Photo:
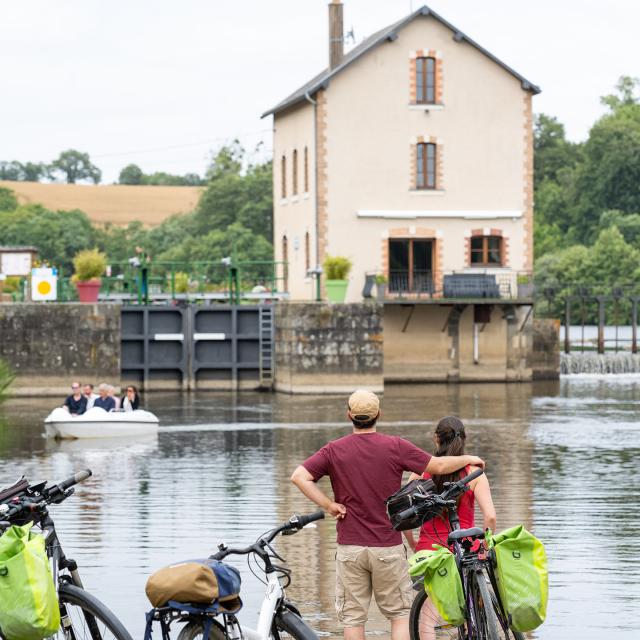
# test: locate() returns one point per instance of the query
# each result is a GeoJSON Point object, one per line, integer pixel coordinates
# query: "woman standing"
{"type": "Point", "coordinates": [131, 400]}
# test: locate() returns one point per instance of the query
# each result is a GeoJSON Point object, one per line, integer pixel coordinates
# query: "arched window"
{"type": "Point", "coordinates": [426, 80]}
{"type": "Point", "coordinates": [285, 263]}
{"type": "Point", "coordinates": [294, 188]}
{"type": "Point", "coordinates": [426, 165]}
{"type": "Point", "coordinates": [283, 176]}
{"type": "Point", "coordinates": [306, 170]}
{"type": "Point", "coordinates": [307, 252]}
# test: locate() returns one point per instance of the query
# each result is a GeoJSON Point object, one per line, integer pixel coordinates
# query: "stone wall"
{"type": "Point", "coordinates": [324, 348]}
{"type": "Point", "coordinates": [49, 345]}
{"type": "Point", "coordinates": [545, 359]}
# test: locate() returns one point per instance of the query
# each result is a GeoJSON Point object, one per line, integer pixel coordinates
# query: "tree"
{"type": "Point", "coordinates": [8, 201]}
{"type": "Point", "coordinates": [552, 151]}
{"type": "Point", "coordinates": [76, 166]}
{"type": "Point", "coordinates": [626, 88]}
{"type": "Point", "coordinates": [131, 174]}
{"type": "Point", "coordinates": [27, 172]}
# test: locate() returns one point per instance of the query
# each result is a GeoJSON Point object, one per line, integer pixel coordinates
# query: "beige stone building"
{"type": "Point", "coordinates": [412, 155]}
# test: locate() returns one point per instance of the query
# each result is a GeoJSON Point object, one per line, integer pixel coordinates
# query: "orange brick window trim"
{"type": "Point", "coordinates": [425, 77]}
{"type": "Point", "coordinates": [425, 164]}
{"type": "Point", "coordinates": [484, 249]}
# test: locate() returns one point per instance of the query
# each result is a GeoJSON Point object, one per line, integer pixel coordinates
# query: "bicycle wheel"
{"type": "Point", "coordinates": [291, 625]}
{"type": "Point", "coordinates": [485, 616]}
{"type": "Point", "coordinates": [193, 631]}
{"type": "Point", "coordinates": [85, 617]}
{"type": "Point", "coordinates": [504, 633]}
{"type": "Point", "coordinates": [426, 624]}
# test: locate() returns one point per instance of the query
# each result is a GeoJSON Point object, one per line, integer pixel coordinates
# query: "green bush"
{"type": "Point", "coordinates": [6, 378]}
{"type": "Point", "coordinates": [381, 279]}
{"type": "Point", "coordinates": [181, 282]}
{"type": "Point", "coordinates": [336, 267]}
{"type": "Point", "coordinates": [89, 265]}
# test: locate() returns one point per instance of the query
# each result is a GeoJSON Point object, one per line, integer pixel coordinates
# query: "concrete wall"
{"type": "Point", "coordinates": [322, 348]}
{"type": "Point", "coordinates": [433, 343]}
{"type": "Point", "coordinates": [545, 359]}
{"type": "Point", "coordinates": [50, 345]}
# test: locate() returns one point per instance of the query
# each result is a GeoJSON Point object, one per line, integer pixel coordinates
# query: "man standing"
{"type": "Point", "coordinates": [366, 467]}
{"type": "Point", "coordinates": [76, 403]}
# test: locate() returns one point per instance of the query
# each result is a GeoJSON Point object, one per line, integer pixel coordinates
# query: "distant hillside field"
{"type": "Point", "coordinates": [118, 204]}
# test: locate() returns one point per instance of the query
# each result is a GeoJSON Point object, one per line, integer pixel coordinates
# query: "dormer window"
{"type": "Point", "coordinates": [426, 80]}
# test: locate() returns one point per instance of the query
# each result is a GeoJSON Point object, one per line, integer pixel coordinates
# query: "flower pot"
{"type": "Point", "coordinates": [336, 290]}
{"type": "Point", "coordinates": [88, 291]}
{"type": "Point", "coordinates": [525, 289]}
{"type": "Point", "coordinates": [381, 291]}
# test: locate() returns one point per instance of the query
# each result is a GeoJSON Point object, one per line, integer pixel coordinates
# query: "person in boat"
{"type": "Point", "coordinates": [131, 400]}
{"type": "Point", "coordinates": [76, 403]}
{"type": "Point", "coordinates": [87, 392]}
{"type": "Point", "coordinates": [105, 401]}
{"type": "Point", "coordinates": [112, 394]}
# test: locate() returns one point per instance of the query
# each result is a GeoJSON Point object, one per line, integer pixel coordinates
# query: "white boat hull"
{"type": "Point", "coordinates": [97, 423]}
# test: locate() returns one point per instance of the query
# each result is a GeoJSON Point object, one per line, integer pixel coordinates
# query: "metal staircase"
{"type": "Point", "coordinates": [266, 346]}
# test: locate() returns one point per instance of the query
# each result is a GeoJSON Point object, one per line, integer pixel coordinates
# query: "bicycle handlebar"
{"type": "Point", "coordinates": [76, 478]}
{"type": "Point", "coordinates": [295, 523]}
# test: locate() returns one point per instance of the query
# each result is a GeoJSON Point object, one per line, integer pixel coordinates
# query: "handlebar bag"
{"type": "Point", "coordinates": [403, 499]}
{"type": "Point", "coordinates": [441, 581]}
{"type": "Point", "coordinates": [208, 581]}
{"type": "Point", "coordinates": [29, 607]}
{"type": "Point", "coordinates": [522, 577]}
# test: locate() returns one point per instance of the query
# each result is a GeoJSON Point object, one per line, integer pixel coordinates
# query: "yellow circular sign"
{"type": "Point", "coordinates": [44, 287]}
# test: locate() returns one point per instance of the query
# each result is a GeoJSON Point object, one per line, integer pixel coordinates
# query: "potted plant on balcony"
{"type": "Point", "coordinates": [525, 285]}
{"type": "Point", "coordinates": [336, 269]}
{"type": "Point", "coordinates": [381, 286]}
{"type": "Point", "coordinates": [89, 265]}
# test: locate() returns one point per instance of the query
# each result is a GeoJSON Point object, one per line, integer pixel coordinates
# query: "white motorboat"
{"type": "Point", "coordinates": [98, 423]}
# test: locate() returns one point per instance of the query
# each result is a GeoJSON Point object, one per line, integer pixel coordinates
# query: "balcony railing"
{"type": "Point", "coordinates": [472, 284]}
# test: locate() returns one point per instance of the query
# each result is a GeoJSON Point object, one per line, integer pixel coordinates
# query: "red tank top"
{"type": "Point", "coordinates": [436, 530]}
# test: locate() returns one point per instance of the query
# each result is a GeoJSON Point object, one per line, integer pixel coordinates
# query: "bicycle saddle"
{"type": "Point", "coordinates": [474, 532]}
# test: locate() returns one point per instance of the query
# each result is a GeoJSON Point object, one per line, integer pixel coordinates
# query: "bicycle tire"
{"type": "Point", "coordinates": [94, 614]}
{"type": "Point", "coordinates": [441, 630]}
{"type": "Point", "coordinates": [294, 626]}
{"type": "Point", "coordinates": [487, 620]}
{"type": "Point", "coordinates": [193, 630]}
{"type": "Point", "coordinates": [286, 622]}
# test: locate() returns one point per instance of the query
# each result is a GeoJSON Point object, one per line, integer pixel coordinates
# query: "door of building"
{"type": "Point", "coordinates": [410, 266]}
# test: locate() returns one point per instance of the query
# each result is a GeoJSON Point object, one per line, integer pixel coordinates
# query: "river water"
{"type": "Point", "coordinates": [562, 458]}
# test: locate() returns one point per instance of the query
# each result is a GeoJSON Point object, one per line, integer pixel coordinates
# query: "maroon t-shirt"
{"type": "Point", "coordinates": [365, 469]}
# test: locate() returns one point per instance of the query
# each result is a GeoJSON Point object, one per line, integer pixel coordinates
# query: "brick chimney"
{"type": "Point", "coordinates": [336, 34]}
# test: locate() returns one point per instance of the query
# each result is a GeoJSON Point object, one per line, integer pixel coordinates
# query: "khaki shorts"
{"type": "Point", "coordinates": [362, 571]}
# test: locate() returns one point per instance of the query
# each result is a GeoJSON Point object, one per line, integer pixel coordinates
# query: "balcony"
{"type": "Point", "coordinates": [483, 285]}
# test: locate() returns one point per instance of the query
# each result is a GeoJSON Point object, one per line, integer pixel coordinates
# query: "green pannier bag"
{"type": "Point", "coordinates": [28, 601]}
{"type": "Point", "coordinates": [441, 581]}
{"type": "Point", "coordinates": [521, 577]}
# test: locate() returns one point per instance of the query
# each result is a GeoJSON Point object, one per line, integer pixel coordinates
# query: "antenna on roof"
{"type": "Point", "coordinates": [350, 36]}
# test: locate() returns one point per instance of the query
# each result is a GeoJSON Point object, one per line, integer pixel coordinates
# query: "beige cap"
{"type": "Point", "coordinates": [364, 405]}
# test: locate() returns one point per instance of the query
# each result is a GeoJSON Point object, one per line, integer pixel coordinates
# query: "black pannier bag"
{"type": "Point", "coordinates": [403, 499]}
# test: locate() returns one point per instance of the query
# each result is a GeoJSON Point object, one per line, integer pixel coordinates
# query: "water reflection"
{"type": "Point", "coordinates": [561, 459]}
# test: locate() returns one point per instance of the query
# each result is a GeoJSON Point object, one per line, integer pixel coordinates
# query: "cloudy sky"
{"type": "Point", "coordinates": [161, 83]}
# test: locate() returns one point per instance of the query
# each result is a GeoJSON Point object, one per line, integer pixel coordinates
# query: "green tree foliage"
{"type": "Point", "coordinates": [75, 166]}
{"type": "Point", "coordinates": [23, 172]}
{"type": "Point", "coordinates": [131, 174]}
{"type": "Point", "coordinates": [58, 235]}
{"type": "Point", "coordinates": [8, 200]}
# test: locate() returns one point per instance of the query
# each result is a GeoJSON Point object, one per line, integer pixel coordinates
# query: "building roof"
{"type": "Point", "coordinates": [390, 33]}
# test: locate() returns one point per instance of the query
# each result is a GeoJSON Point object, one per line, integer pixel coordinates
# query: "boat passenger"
{"type": "Point", "coordinates": [76, 403]}
{"type": "Point", "coordinates": [131, 400]}
{"type": "Point", "coordinates": [112, 394]}
{"type": "Point", "coordinates": [87, 392]}
{"type": "Point", "coordinates": [105, 401]}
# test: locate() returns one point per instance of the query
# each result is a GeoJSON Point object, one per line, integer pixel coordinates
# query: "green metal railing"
{"type": "Point", "coordinates": [232, 281]}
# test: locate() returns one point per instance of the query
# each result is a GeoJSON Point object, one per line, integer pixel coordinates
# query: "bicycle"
{"type": "Point", "coordinates": [278, 619]}
{"type": "Point", "coordinates": [82, 615]}
{"type": "Point", "coordinates": [485, 618]}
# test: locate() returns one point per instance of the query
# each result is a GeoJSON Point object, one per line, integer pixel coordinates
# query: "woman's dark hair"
{"type": "Point", "coordinates": [451, 440]}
